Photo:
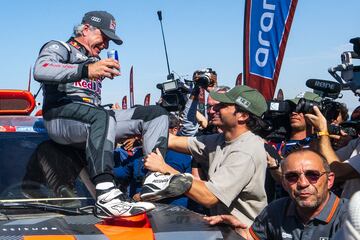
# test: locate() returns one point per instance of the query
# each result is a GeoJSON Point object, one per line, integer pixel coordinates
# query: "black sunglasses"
{"type": "Point", "coordinates": [311, 175]}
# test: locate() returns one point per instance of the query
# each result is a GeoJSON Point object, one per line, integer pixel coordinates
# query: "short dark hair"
{"type": "Point", "coordinates": [344, 111]}
{"type": "Point", "coordinates": [325, 163]}
{"type": "Point", "coordinates": [252, 123]}
{"type": "Point", "coordinates": [173, 121]}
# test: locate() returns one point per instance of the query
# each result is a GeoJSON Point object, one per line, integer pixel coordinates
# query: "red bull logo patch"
{"type": "Point", "coordinates": [94, 86]}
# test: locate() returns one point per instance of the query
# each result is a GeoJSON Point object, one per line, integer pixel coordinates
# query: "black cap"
{"type": "Point", "coordinates": [105, 22]}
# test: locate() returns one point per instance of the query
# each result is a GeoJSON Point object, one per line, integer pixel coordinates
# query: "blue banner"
{"type": "Point", "coordinates": [267, 26]}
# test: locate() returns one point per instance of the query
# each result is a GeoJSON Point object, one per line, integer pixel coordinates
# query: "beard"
{"type": "Point", "coordinates": [307, 204]}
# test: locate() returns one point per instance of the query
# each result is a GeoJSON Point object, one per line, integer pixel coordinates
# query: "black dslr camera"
{"type": "Point", "coordinates": [203, 78]}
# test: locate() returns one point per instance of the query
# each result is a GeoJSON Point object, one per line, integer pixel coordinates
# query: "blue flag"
{"type": "Point", "coordinates": [266, 30]}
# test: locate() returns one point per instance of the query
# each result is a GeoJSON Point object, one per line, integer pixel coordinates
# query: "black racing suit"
{"type": "Point", "coordinates": [73, 115]}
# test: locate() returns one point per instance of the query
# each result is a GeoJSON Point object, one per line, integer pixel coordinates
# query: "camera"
{"type": "Point", "coordinates": [173, 94]}
{"type": "Point", "coordinates": [336, 130]}
{"type": "Point", "coordinates": [276, 124]}
{"type": "Point", "coordinates": [203, 78]}
{"type": "Point", "coordinates": [328, 91]}
{"type": "Point", "coordinates": [350, 74]}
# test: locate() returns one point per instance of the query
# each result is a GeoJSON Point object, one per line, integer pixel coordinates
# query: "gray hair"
{"type": "Point", "coordinates": [79, 28]}
{"type": "Point", "coordinates": [303, 150]}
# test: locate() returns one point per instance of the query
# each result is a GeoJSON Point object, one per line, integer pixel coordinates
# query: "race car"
{"type": "Point", "coordinates": [45, 192]}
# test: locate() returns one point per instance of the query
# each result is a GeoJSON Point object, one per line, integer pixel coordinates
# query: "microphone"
{"type": "Point", "coordinates": [323, 85]}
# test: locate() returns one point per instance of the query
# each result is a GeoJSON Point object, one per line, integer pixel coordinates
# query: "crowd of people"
{"type": "Point", "coordinates": [223, 166]}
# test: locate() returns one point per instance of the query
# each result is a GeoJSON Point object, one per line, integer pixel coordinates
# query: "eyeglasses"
{"type": "Point", "coordinates": [311, 175]}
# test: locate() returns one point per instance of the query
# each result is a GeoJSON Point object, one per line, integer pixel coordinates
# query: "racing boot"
{"type": "Point", "coordinates": [111, 202]}
{"type": "Point", "coordinates": [158, 186]}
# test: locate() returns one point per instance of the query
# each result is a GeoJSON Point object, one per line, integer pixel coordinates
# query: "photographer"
{"type": "Point", "coordinates": [299, 137]}
{"type": "Point", "coordinates": [206, 79]}
{"type": "Point", "coordinates": [345, 162]}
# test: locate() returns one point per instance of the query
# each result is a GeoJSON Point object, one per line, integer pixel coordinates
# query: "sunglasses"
{"type": "Point", "coordinates": [311, 175]}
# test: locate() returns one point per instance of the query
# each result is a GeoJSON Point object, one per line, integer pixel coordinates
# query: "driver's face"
{"type": "Point", "coordinates": [95, 41]}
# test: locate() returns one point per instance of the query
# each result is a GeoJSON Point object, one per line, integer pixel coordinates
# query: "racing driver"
{"type": "Point", "coordinates": [71, 74]}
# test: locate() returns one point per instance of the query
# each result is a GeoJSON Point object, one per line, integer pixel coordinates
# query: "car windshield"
{"type": "Point", "coordinates": [33, 168]}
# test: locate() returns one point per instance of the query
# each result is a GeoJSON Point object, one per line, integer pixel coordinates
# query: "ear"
{"type": "Point", "coordinates": [331, 178]}
{"type": "Point", "coordinates": [85, 29]}
{"type": "Point", "coordinates": [242, 116]}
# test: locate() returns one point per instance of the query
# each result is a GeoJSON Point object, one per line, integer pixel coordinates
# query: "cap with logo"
{"type": "Point", "coordinates": [307, 95]}
{"type": "Point", "coordinates": [247, 98]}
{"type": "Point", "coordinates": [105, 22]}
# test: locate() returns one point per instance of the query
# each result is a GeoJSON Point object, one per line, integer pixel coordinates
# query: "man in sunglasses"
{"type": "Point", "coordinates": [310, 212]}
{"type": "Point", "coordinates": [234, 160]}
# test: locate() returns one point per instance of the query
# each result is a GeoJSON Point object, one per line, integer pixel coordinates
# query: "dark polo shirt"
{"type": "Point", "coordinates": [279, 220]}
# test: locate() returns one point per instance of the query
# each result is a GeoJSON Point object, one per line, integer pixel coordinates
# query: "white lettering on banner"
{"type": "Point", "coordinates": [262, 54]}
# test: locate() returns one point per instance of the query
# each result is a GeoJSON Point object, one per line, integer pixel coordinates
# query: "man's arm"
{"type": "Point", "coordinates": [178, 144]}
{"type": "Point", "coordinates": [201, 194]}
{"type": "Point", "coordinates": [52, 66]}
{"type": "Point", "coordinates": [342, 170]}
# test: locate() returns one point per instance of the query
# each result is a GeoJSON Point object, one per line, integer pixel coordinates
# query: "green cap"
{"type": "Point", "coordinates": [307, 95]}
{"type": "Point", "coordinates": [246, 97]}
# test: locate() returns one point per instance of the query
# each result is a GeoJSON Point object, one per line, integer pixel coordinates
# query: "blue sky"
{"type": "Point", "coordinates": [202, 33]}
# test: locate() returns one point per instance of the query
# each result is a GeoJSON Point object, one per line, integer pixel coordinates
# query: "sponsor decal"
{"type": "Point", "coordinates": [160, 180]}
{"type": "Point", "coordinates": [300, 95]}
{"type": "Point", "coordinates": [95, 19]}
{"type": "Point", "coordinates": [54, 46]}
{"type": "Point", "coordinates": [80, 56]}
{"type": "Point", "coordinates": [94, 86]}
{"type": "Point", "coordinates": [7, 129]}
{"type": "Point", "coordinates": [58, 65]}
{"type": "Point", "coordinates": [74, 44]}
{"type": "Point", "coordinates": [285, 235]}
{"type": "Point", "coordinates": [243, 102]}
{"type": "Point", "coordinates": [112, 25]}
{"type": "Point", "coordinates": [27, 229]}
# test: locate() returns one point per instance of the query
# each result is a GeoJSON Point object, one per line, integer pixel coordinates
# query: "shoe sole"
{"type": "Point", "coordinates": [103, 214]}
{"type": "Point", "coordinates": [177, 186]}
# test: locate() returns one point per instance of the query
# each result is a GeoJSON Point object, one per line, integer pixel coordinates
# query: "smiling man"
{"type": "Point", "coordinates": [236, 159]}
{"type": "Point", "coordinates": [72, 75]}
{"type": "Point", "coordinates": [311, 211]}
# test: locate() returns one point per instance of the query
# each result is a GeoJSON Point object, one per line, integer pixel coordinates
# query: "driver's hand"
{"type": "Point", "coordinates": [104, 68]}
{"type": "Point", "coordinates": [116, 106]}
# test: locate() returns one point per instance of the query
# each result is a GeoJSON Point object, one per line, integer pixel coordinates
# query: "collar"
{"type": "Point", "coordinates": [242, 137]}
{"type": "Point", "coordinates": [326, 213]}
{"type": "Point", "coordinates": [72, 41]}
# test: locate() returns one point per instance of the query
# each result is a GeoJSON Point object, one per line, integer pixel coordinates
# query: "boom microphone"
{"type": "Point", "coordinates": [324, 85]}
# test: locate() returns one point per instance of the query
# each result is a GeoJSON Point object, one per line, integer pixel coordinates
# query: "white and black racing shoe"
{"type": "Point", "coordinates": [158, 186]}
{"type": "Point", "coordinates": [112, 203]}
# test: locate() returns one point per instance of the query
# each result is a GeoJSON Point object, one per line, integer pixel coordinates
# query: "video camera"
{"type": "Point", "coordinates": [174, 93]}
{"type": "Point", "coordinates": [350, 74]}
{"type": "Point", "coordinates": [328, 92]}
{"type": "Point", "coordinates": [277, 116]}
